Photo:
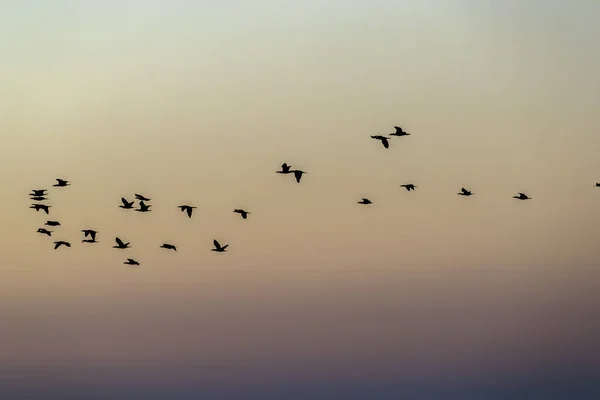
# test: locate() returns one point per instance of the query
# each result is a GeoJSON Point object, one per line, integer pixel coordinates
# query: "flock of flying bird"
{"type": "Point", "coordinates": [39, 195]}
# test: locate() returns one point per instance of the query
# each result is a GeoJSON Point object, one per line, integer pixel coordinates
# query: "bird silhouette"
{"type": "Point", "coordinates": [52, 223]}
{"type": "Point", "coordinates": [409, 186]}
{"type": "Point", "coordinates": [243, 213]}
{"type": "Point", "coordinates": [298, 174]}
{"type": "Point", "coordinates": [38, 198]}
{"type": "Point", "coordinates": [218, 248]}
{"type": "Point", "coordinates": [61, 243]}
{"type": "Point", "coordinates": [89, 241]}
{"type": "Point", "coordinates": [285, 169]}
{"type": "Point", "coordinates": [143, 207]}
{"type": "Point", "coordinates": [168, 246]}
{"type": "Point", "coordinates": [522, 196]}
{"type": "Point", "coordinates": [597, 184]}
{"type": "Point", "coordinates": [131, 261]}
{"type": "Point", "coordinates": [465, 192]}
{"type": "Point", "coordinates": [365, 201]}
{"type": "Point", "coordinates": [399, 132]}
{"type": "Point", "coordinates": [383, 139]}
{"type": "Point", "coordinates": [89, 232]}
{"type": "Point", "coordinates": [39, 207]}
{"type": "Point", "coordinates": [126, 204]}
{"type": "Point", "coordinates": [38, 192]}
{"type": "Point", "coordinates": [187, 209]}
{"type": "Point", "coordinates": [61, 183]}
{"type": "Point", "coordinates": [45, 231]}
{"type": "Point", "coordinates": [142, 198]}
{"type": "Point", "coordinates": [120, 244]}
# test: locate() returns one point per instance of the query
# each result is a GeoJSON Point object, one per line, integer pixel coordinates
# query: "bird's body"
{"type": "Point", "coordinates": [38, 192]}
{"type": "Point", "coordinates": [298, 174]}
{"type": "Point", "coordinates": [141, 198]}
{"type": "Point", "coordinates": [89, 241]}
{"type": "Point", "coordinates": [522, 196]}
{"type": "Point", "coordinates": [121, 244]}
{"type": "Point", "coordinates": [143, 207]}
{"type": "Point", "coordinates": [597, 184]}
{"type": "Point", "coordinates": [243, 213]}
{"type": "Point", "coordinates": [168, 246]}
{"type": "Point", "coordinates": [409, 186]}
{"type": "Point", "coordinates": [39, 207]}
{"type": "Point", "coordinates": [187, 209]}
{"type": "Point", "coordinates": [465, 192]}
{"type": "Point", "coordinates": [384, 140]}
{"type": "Point", "coordinates": [38, 198]}
{"type": "Point", "coordinates": [131, 261]}
{"type": "Point", "coordinates": [45, 231]}
{"type": "Point", "coordinates": [52, 223]}
{"type": "Point", "coordinates": [61, 183]}
{"type": "Point", "coordinates": [365, 201]}
{"type": "Point", "coordinates": [399, 132]}
{"type": "Point", "coordinates": [61, 243]}
{"type": "Point", "coordinates": [285, 169]}
{"type": "Point", "coordinates": [218, 248]}
{"type": "Point", "coordinates": [126, 204]}
{"type": "Point", "coordinates": [89, 232]}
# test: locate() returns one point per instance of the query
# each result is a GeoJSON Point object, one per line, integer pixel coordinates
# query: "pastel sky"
{"type": "Point", "coordinates": [423, 294]}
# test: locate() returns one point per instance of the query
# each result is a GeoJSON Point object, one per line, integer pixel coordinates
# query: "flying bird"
{"type": "Point", "coordinates": [285, 169]}
{"type": "Point", "coordinates": [365, 201]}
{"type": "Point", "coordinates": [143, 207]}
{"type": "Point", "coordinates": [89, 232]}
{"type": "Point", "coordinates": [399, 132]}
{"type": "Point", "coordinates": [218, 248]}
{"type": "Point", "coordinates": [39, 207]}
{"type": "Point", "coordinates": [52, 223]}
{"type": "Point", "coordinates": [38, 192]}
{"type": "Point", "coordinates": [60, 243]}
{"type": "Point", "coordinates": [168, 246]}
{"type": "Point", "coordinates": [383, 139]}
{"type": "Point", "coordinates": [38, 198]}
{"type": "Point", "coordinates": [409, 186]}
{"type": "Point", "coordinates": [243, 213]}
{"type": "Point", "coordinates": [126, 204]}
{"type": "Point", "coordinates": [89, 241]}
{"type": "Point", "coordinates": [131, 261]}
{"type": "Point", "coordinates": [61, 183]}
{"type": "Point", "coordinates": [522, 196]}
{"type": "Point", "coordinates": [597, 184]}
{"type": "Point", "coordinates": [120, 244]}
{"type": "Point", "coordinates": [187, 209]}
{"type": "Point", "coordinates": [298, 175]}
{"type": "Point", "coordinates": [45, 231]}
{"type": "Point", "coordinates": [465, 192]}
{"type": "Point", "coordinates": [142, 198]}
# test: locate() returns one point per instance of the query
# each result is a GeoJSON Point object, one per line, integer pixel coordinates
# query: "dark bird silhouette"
{"type": "Point", "coordinates": [465, 192]}
{"type": "Point", "coordinates": [89, 241]}
{"type": "Point", "coordinates": [218, 248]}
{"type": "Point", "coordinates": [168, 246]}
{"type": "Point", "coordinates": [52, 223]}
{"type": "Point", "coordinates": [61, 183]}
{"type": "Point", "coordinates": [383, 139]}
{"type": "Point", "coordinates": [126, 204]}
{"type": "Point", "coordinates": [597, 184]}
{"type": "Point", "coordinates": [399, 132]}
{"type": "Point", "coordinates": [38, 192]}
{"type": "Point", "coordinates": [120, 244]}
{"type": "Point", "coordinates": [365, 201]}
{"type": "Point", "coordinates": [131, 261]}
{"type": "Point", "coordinates": [409, 186]}
{"type": "Point", "coordinates": [61, 243]}
{"type": "Point", "coordinates": [187, 209]}
{"type": "Point", "coordinates": [285, 169]}
{"type": "Point", "coordinates": [38, 198]}
{"type": "Point", "coordinates": [39, 207]}
{"type": "Point", "coordinates": [142, 198]}
{"type": "Point", "coordinates": [143, 207]}
{"type": "Point", "coordinates": [45, 231]}
{"type": "Point", "coordinates": [298, 174]}
{"type": "Point", "coordinates": [243, 213]}
{"type": "Point", "coordinates": [89, 232]}
{"type": "Point", "coordinates": [522, 196]}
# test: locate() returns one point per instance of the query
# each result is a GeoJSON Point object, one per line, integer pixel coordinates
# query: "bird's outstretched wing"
{"type": "Point", "coordinates": [385, 142]}
{"type": "Point", "coordinates": [224, 247]}
{"type": "Point", "coordinates": [217, 245]}
{"type": "Point", "coordinates": [119, 241]}
{"type": "Point", "coordinates": [124, 201]}
{"type": "Point", "coordinates": [56, 245]}
{"type": "Point", "coordinates": [189, 211]}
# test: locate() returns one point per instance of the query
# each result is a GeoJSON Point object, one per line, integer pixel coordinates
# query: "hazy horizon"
{"type": "Point", "coordinates": [423, 294]}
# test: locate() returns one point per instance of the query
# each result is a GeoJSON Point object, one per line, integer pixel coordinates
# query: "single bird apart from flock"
{"type": "Point", "coordinates": [465, 192]}
{"type": "Point", "coordinates": [143, 207]}
{"type": "Point", "coordinates": [285, 169]}
{"type": "Point", "coordinates": [61, 183]}
{"type": "Point", "coordinates": [168, 246]}
{"type": "Point", "coordinates": [39, 207]}
{"type": "Point", "coordinates": [399, 132]}
{"type": "Point", "coordinates": [89, 232]}
{"type": "Point", "coordinates": [61, 243]}
{"type": "Point", "coordinates": [409, 186]}
{"type": "Point", "coordinates": [298, 174]}
{"type": "Point", "coordinates": [52, 223]}
{"type": "Point", "coordinates": [142, 198]}
{"type": "Point", "coordinates": [120, 244]}
{"type": "Point", "coordinates": [218, 248]}
{"type": "Point", "coordinates": [45, 231]}
{"type": "Point", "coordinates": [187, 209]}
{"type": "Point", "coordinates": [131, 261]}
{"type": "Point", "coordinates": [384, 140]}
{"type": "Point", "coordinates": [522, 196]}
{"type": "Point", "coordinates": [243, 213]}
{"type": "Point", "coordinates": [365, 201]}
{"type": "Point", "coordinates": [38, 192]}
{"type": "Point", "coordinates": [126, 204]}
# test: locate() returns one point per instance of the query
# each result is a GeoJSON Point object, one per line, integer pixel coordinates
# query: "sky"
{"type": "Point", "coordinates": [423, 294]}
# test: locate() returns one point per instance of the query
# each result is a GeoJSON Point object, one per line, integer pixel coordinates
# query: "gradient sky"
{"type": "Point", "coordinates": [424, 294]}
